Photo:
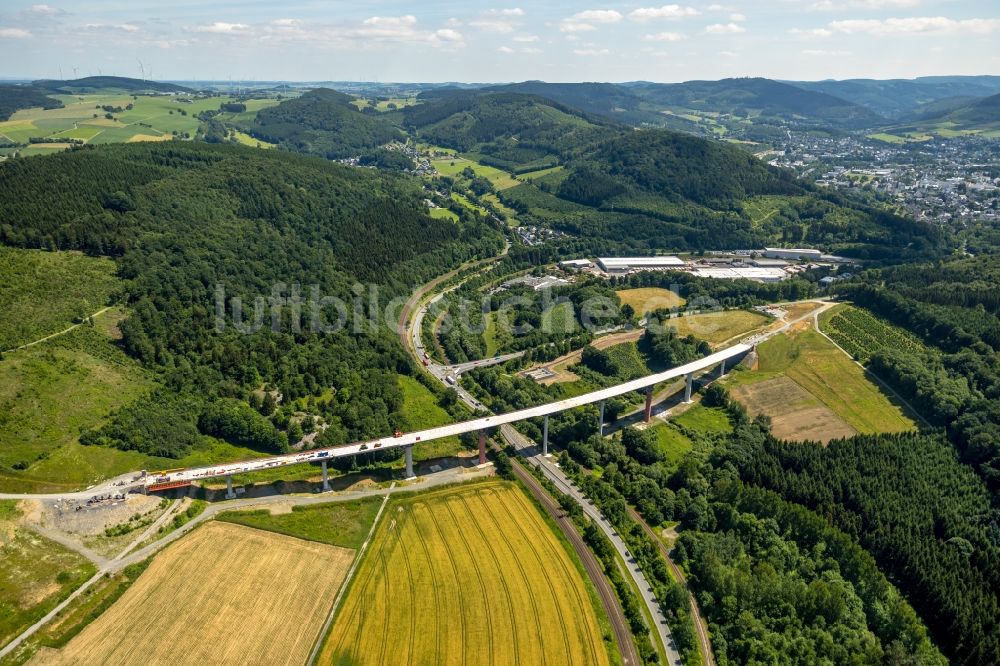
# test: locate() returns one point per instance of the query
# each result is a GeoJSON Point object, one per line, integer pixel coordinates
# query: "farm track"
{"type": "Point", "coordinates": [612, 608]}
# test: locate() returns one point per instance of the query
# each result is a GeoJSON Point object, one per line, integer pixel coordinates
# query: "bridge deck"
{"type": "Point", "coordinates": [452, 429]}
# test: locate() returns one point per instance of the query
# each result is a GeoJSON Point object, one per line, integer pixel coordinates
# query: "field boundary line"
{"type": "Point", "coordinates": [347, 579]}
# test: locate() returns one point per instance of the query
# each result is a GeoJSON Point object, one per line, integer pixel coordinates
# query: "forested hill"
{"type": "Point", "coordinates": [182, 218]}
{"type": "Point", "coordinates": [512, 131]}
{"type": "Point", "coordinates": [604, 99]}
{"type": "Point", "coordinates": [759, 98]}
{"type": "Point", "coordinates": [896, 98]}
{"type": "Point", "coordinates": [15, 97]}
{"type": "Point", "coordinates": [323, 122]}
{"type": "Point", "coordinates": [92, 83]}
{"type": "Point", "coordinates": [625, 189]}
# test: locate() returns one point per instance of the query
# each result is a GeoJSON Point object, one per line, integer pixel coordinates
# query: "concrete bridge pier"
{"type": "Point", "coordinates": [229, 487]}
{"type": "Point", "coordinates": [545, 436]}
{"type": "Point", "coordinates": [408, 451]}
{"type": "Point", "coordinates": [600, 425]}
{"type": "Point", "coordinates": [648, 413]}
{"type": "Point", "coordinates": [326, 478]}
{"type": "Point", "coordinates": [722, 369]}
{"type": "Point", "coordinates": [482, 447]}
{"type": "Point", "coordinates": [687, 387]}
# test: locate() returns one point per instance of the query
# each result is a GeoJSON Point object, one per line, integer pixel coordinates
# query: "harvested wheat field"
{"type": "Point", "coordinates": [468, 575]}
{"type": "Point", "coordinates": [225, 594]}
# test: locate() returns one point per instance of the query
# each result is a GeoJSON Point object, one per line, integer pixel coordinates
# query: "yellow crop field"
{"type": "Point", "coordinates": [223, 594]}
{"type": "Point", "coordinates": [469, 575]}
{"type": "Point", "coordinates": [647, 299]}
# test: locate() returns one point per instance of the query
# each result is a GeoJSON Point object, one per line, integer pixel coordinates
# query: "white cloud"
{"type": "Point", "coordinates": [505, 49]}
{"type": "Point", "coordinates": [664, 37]}
{"type": "Point", "coordinates": [822, 52]}
{"type": "Point", "coordinates": [14, 33]}
{"type": "Point", "coordinates": [286, 22]}
{"type": "Point", "coordinates": [222, 28]}
{"type": "Point", "coordinates": [124, 27]}
{"type": "Point", "coordinates": [497, 20]}
{"type": "Point", "coordinates": [526, 39]}
{"type": "Point", "coordinates": [840, 5]}
{"type": "Point", "coordinates": [725, 29]}
{"type": "Point", "coordinates": [644, 14]}
{"type": "Point", "coordinates": [737, 17]}
{"type": "Point", "coordinates": [927, 25]}
{"type": "Point", "coordinates": [597, 16]}
{"type": "Point", "coordinates": [584, 21]}
{"type": "Point", "coordinates": [591, 52]}
{"type": "Point", "coordinates": [811, 32]}
{"type": "Point", "coordinates": [447, 37]}
{"type": "Point", "coordinates": [729, 54]}
{"type": "Point", "coordinates": [45, 10]}
{"type": "Point", "coordinates": [531, 50]}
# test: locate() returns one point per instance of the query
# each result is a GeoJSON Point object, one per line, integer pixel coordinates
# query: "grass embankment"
{"type": "Point", "coordinates": [343, 524]}
{"type": "Point", "coordinates": [466, 575]}
{"type": "Point", "coordinates": [35, 573]}
{"type": "Point", "coordinates": [83, 610]}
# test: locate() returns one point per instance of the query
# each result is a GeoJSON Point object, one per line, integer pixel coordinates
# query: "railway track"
{"type": "Point", "coordinates": [701, 629]}
{"type": "Point", "coordinates": [619, 625]}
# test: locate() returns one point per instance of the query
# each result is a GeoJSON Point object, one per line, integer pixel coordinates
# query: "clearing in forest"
{"type": "Point", "coordinates": [223, 594]}
{"type": "Point", "coordinates": [468, 575]}
{"type": "Point", "coordinates": [821, 393]}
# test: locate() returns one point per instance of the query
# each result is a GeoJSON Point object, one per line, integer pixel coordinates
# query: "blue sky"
{"type": "Point", "coordinates": [390, 40]}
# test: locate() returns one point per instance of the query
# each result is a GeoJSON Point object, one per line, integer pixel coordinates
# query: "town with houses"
{"type": "Point", "coordinates": [948, 181]}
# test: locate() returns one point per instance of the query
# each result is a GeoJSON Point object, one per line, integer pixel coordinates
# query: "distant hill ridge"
{"type": "Point", "coordinates": [102, 82]}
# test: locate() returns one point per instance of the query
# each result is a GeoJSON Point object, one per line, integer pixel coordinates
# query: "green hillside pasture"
{"type": "Point", "coordinates": [421, 411]}
{"type": "Point", "coordinates": [541, 173]}
{"type": "Point", "coordinates": [43, 292]}
{"type": "Point", "coordinates": [151, 116]}
{"type": "Point", "coordinates": [53, 391]}
{"type": "Point", "coordinates": [815, 364]}
{"type": "Point", "coordinates": [452, 167]}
